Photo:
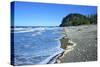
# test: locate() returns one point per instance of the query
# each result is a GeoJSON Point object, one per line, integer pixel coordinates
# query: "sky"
{"type": "Point", "coordinates": [45, 14]}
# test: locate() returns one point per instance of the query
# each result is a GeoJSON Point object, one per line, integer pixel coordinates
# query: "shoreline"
{"type": "Point", "coordinates": [66, 44]}
{"type": "Point", "coordinates": [86, 39]}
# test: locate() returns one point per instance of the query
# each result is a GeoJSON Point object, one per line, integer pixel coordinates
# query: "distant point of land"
{"type": "Point", "coordinates": [78, 19]}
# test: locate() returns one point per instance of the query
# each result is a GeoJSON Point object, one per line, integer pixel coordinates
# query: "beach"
{"type": "Point", "coordinates": [82, 44]}
{"type": "Point", "coordinates": [59, 44]}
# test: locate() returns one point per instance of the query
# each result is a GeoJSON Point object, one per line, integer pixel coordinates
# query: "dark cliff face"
{"type": "Point", "coordinates": [74, 20]}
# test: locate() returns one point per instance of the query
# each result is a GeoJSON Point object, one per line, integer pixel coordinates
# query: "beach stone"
{"type": "Point", "coordinates": [64, 42]}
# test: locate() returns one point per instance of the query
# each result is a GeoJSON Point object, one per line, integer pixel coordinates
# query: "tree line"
{"type": "Point", "coordinates": [78, 19]}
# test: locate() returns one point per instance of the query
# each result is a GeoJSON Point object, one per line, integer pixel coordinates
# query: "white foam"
{"type": "Point", "coordinates": [37, 33]}
{"type": "Point", "coordinates": [49, 58]}
{"type": "Point", "coordinates": [18, 29]}
{"type": "Point", "coordinates": [52, 28]}
{"type": "Point", "coordinates": [23, 30]}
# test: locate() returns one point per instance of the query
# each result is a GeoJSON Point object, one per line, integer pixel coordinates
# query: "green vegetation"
{"type": "Point", "coordinates": [93, 18]}
{"type": "Point", "coordinates": [78, 19]}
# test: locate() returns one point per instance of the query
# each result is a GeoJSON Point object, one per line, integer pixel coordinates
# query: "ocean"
{"type": "Point", "coordinates": [35, 45]}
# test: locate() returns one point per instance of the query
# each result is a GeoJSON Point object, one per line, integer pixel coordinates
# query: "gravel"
{"type": "Point", "coordinates": [85, 37]}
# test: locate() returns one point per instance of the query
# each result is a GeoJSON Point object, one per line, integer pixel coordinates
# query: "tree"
{"type": "Point", "coordinates": [74, 20]}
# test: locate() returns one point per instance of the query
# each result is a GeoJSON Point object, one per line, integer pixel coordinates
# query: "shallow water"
{"type": "Point", "coordinates": [36, 45]}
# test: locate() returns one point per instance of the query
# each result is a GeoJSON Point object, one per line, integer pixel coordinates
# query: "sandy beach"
{"type": "Point", "coordinates": [84, 39]}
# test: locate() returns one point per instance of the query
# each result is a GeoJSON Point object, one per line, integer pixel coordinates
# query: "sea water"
{"type": "Point", "coordinates": [35, 45]}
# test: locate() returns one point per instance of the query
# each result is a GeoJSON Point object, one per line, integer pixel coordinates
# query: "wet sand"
{"type": "Point", "coordinates": [85, 49]}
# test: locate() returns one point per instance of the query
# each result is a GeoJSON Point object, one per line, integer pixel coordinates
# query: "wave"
{"type": "Point", "coordinates": [28, 29]}
{"type": "Point", "coordinates": [37, 54]}
{"type": "Point", "coordinates": [36, 31]}
{"type": "Point", "coordinates": [23, 30]}
{"type": "Point", "coordinates": [52, 56]}
{"type": "Point", "coordinates": [39, 59]}
{"type": "Point", "coordinates": [52, 28]}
